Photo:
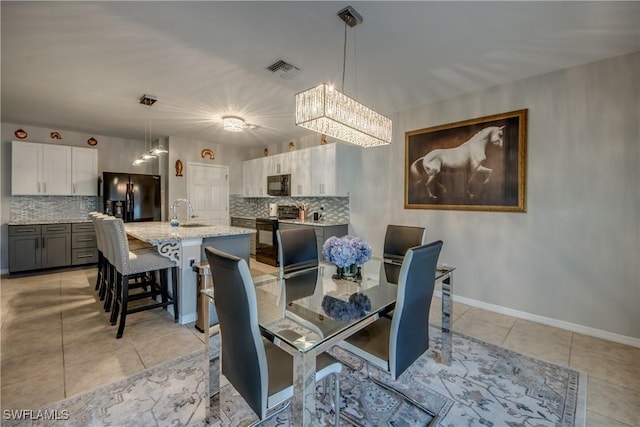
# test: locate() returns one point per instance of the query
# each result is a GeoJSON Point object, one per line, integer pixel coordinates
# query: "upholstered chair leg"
{"type": "Point", "coordinates": [174, 290]}
{"type": "Point", "coordinates": [125, 303]}
{"type": "Point", "coordinates": [117, 292]}
{"type": "Point", "coordinates": [100, 260]}
{"type": "Point", "coordinates": [109, 289]}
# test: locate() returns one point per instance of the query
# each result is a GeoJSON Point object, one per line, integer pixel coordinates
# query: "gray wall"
{"type": "Point", "coordinates": [573, 257]}
{"type": "Point", "coordinates": [114, 155]}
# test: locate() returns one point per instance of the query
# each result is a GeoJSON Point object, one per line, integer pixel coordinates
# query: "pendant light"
{"type": "Point", "coordinates": [326, 110]}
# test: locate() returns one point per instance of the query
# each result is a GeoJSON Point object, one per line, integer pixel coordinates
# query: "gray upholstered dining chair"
{"type": "Point", "coordinates": [393, 344]}
{"type": "Point", "coordinates": [397, 240]}
{"type": "Point", "coordinates": [259, 370]}
{"type": "Point", "coordinates": [298, 255]}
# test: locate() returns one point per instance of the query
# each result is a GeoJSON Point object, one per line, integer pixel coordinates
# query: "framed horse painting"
{"type": "Point", "coordinates": [476, 164]}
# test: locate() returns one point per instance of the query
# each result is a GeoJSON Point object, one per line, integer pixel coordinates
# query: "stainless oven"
{"type": "Point", "coordinates": [279, 185]}
{"type": "Point", "coordinates": [266, 243]}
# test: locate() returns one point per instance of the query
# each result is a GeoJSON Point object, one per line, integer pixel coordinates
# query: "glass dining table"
{"type": "Point", "coordinates": [305, 327]}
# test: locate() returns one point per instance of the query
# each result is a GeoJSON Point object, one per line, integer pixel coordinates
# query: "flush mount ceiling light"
{"type": "Point", "coordinates": [326, 110]}
{"type": "Point", "coordinates": [236, 124]}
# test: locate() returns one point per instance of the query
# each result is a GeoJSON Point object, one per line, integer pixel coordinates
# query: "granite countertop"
{"type": "Point", "coordinates": [156, 232]}
{"type": "Point", "coordinates": [321, 223]}
{"type": "Point", "coordinates": [49, 221]}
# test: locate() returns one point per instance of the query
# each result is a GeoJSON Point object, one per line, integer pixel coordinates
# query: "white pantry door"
{"type": "Point", "coordinates": [208, 192]}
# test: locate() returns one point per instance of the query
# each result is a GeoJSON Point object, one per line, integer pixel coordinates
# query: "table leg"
{"type": "Point", "coordinates": [303, 404]}
{"type": "Point", "coordinates": [447, 311]}
{"type": "Point", "coordinates": [212, 405]}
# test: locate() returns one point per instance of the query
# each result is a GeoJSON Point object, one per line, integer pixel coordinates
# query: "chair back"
{"type": "Point", "coordinates": [397, 241]}
{"type": "Point", "coordinates": [114, 228]}
{"type": "Point", "coordinates": [298, 255]}
{"type": "Point", "coordinates": [244, 361]}
{"type": "Point", "coordinates": [409, 333]}
{"type": "Point", "coordinates": [101, 223]}
{"type": "Point", "coordinates": [98, 229]}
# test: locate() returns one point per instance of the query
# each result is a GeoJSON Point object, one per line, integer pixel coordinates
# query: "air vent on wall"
{"type": "Point", "coordinates": [285, 70]}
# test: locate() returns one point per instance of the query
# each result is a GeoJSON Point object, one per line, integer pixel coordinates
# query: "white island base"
{"type": "Point", "coordinates": [185, 245]}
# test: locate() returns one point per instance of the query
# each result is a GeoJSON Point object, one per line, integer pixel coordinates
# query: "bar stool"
{"type": "Point", "coordinates": [129, 263]}
{"type": "Point", "coordinates": [102, 260]}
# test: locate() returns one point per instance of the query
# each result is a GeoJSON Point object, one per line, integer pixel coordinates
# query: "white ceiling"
{"type": "Point", "coordinates": [83, 65]}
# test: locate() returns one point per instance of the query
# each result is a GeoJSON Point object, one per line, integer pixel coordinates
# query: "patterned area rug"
{"type": "Point", "coordinates": [485, 386]}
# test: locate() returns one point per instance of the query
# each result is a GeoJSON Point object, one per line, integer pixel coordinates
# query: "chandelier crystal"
{"type": "Point", "coordinates": [326, 110]}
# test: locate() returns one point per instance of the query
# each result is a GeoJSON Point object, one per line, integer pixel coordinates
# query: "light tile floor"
{"type": "Point", "coordinates": [56, 342]}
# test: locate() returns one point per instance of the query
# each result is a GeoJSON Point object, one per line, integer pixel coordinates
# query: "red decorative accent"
{"type": "Point", "coordinates": [20, 134]}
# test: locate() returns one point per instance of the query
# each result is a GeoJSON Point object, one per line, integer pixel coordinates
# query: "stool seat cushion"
{"type": "Point", "coordinates": [143, 261]}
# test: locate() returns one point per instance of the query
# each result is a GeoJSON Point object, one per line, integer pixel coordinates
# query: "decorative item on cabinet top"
{"type": "Point", "coordinates": [207, 153]}
{"type": "Point", "coordinates": [266, 152]}
{"type": "Point", "coordinates": [55, 135]}
{"type": "Point", "coordinates": [179, 167]}
{"type": "Point", "coordinates": [292, 146]}
{"type": "Point", "coordinates": [323, 139]}
{"type": "Point", "coordinates": [92, 141]}
{"type": "Point", "coordinates": [20, 134]}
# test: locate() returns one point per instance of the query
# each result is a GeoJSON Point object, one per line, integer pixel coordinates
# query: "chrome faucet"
{"type": "Point", "coordinates": [174, 209]}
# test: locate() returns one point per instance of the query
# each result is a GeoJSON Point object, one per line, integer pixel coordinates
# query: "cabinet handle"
{"type": "Point", "coordinates": [56, 229]}
{"type": "Point", "coordinates": [38, 187]}
{"type": "Point", "coordinates": [37, 244]}
{"type": "Point", "coordinates": [44, 186]}
{"type": "Point", "coordinates": [74, 188]}
{"type": "Point", "coordinates": [85, 240]}
{"type": "Point", "coordinates": [84, 256]}
{"type": "Point", "coordinates": [28, 230]}
{"type": "Point", "coordinates": [43, 243]}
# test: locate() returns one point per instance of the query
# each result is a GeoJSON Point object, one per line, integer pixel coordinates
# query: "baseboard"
{"type": "Point", "coordinates": [4, 271]}
{"type": "Point", "coordinates": [189, 318]}
{"type": "Point", "coordinates": [573, 327]}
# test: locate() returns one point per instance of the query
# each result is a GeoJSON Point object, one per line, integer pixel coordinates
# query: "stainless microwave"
{"type": "Point", "coordinates": [279, 185]}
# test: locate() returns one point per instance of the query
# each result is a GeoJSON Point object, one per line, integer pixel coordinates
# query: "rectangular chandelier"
{"type": "Point", "coordinates": [326, 110]}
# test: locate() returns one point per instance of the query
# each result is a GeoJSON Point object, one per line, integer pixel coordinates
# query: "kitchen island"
{"type": "Point", "coordinates": [185, 244]}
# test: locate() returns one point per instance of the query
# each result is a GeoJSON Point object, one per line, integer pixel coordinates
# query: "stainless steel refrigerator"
{"type": "Point", "coordinates": [132, 197]}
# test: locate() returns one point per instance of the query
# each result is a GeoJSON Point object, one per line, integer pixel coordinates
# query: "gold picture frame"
{"type": "Point", "coordinates": [474, 165]}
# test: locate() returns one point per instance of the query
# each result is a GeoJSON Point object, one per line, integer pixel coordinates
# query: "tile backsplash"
{"type": "Point", "coordinates": [51, 208]}
{"type": "Point", "coordinates": [336, 209]}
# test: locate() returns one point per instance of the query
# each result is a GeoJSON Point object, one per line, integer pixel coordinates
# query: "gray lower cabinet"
{"type": "Point", "coordinates": [56, 245]}
{"type": "Point", "coordinates": [84, 248]}
{"type": "Point", "coordinates": [322, 232]}
{"type": "Point", "coordinates": [246, 223]}
{"type": "Point", "coordinates": [24, 248]}
{"type": "Point", "coordinates": [34, 247]}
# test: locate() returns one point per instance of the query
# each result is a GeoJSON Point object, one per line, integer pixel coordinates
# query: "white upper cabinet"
{"type": "Point", "coordinates": [322, 171]}
{"type": "Point", "coordinates": [52, 170]}
{"type": "Point", "coordinates": [84, 171]}
{"type": "Point", "coordinates": [332, 169]}
{"type": "Point", "coordinates": [278, 164]}
{"type": "Point", "coordinates": [56, 170]}
{"type": "Point", "coordinates": [253, 178]}
{"type": "Point", "coordinates": [26, 168]}
{"type": "Point", "coordinates": [301, 173]}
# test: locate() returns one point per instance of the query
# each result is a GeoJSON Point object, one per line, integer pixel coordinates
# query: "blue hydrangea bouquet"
{"type": "Point", "coordinates": [347, 253]}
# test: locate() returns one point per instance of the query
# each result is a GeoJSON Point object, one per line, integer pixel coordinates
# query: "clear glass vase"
{"type": "Point", "coordinates": [351, 273]}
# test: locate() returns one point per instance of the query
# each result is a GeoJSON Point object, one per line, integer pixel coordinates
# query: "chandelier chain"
{"type": "Point", "coordinates": [344, 55]}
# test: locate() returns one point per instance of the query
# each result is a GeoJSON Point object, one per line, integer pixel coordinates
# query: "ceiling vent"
{"type": "Point", "coordinates": [148, 100]}
{"type": "Point", "coordinates": [284, 69]}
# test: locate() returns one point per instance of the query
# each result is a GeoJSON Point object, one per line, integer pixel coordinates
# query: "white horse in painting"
{"type": "Point", "coordinates": [470, 154]}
